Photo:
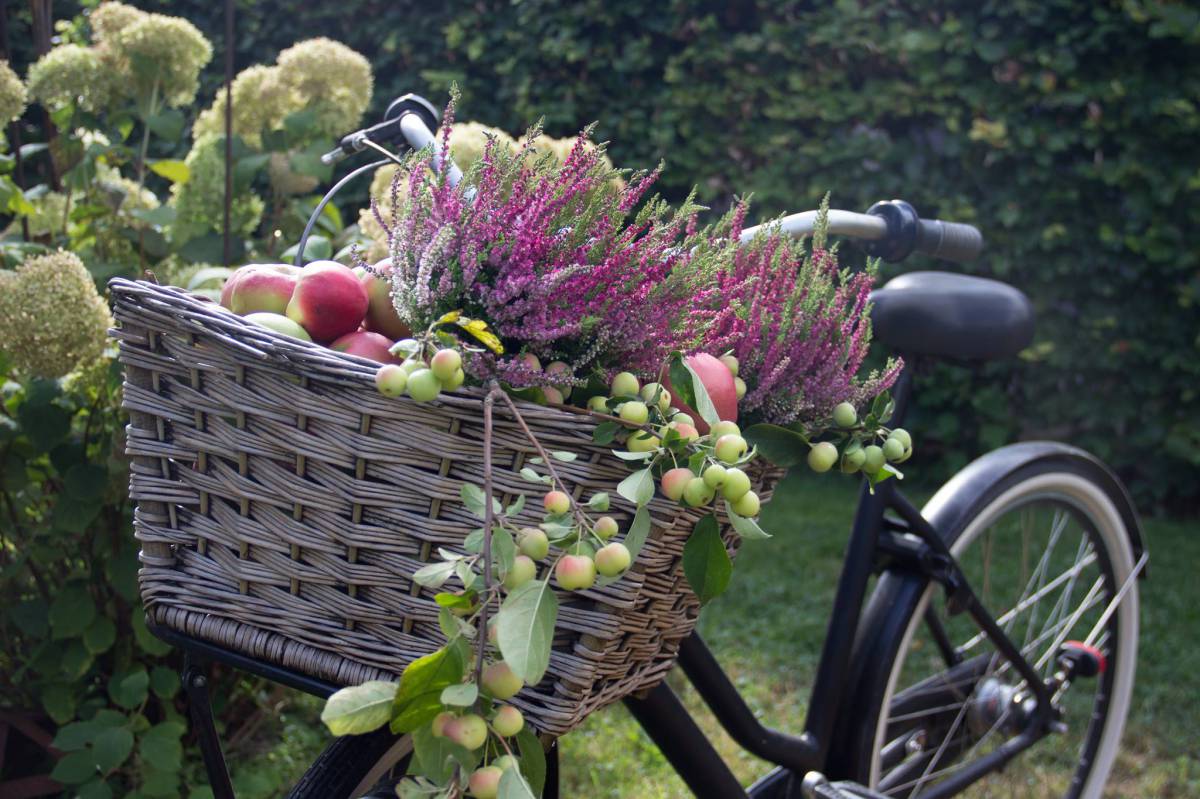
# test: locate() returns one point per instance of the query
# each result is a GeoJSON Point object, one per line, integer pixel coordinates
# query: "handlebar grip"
{"type": "Point", "coordinates": [950, 241]}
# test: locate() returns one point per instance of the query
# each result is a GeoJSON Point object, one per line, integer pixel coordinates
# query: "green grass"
{"type": "Point", "coordinates": [767, 631]}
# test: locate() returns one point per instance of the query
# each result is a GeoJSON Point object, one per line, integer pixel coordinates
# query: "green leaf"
{"type": "Point", "coordinates": [599, 501]}
{"type": "Point", "coordinates": [437, 758]}
{"type": "Point", "coordinates": [516, 507]}
{"type": "Point", "coordinates": [434, 575]}
{"type": "Point", "coordinates": [504, 549]}
{"type": "Point", "coordinates": [129, 689]}
{"type": "Point", "coordinates": [746, 528]}
{"type": "Point", "coordinates": [632, 456]}
{"type": "Point", "coordinates": [160, 746]}
{"type": "Point", "coordinates": [473, 498]}
{"type": "Point", "coordinates": [605, 432]}
{"type": "Point", "coordinates": [86, 481]}
{"type": "Point", "coordinates": [779, 445]}
{"type": "Point", "coordinates": [533, 477]}
{"type": "Point", "coordinates": [638, 487]}
{"type": "Point", "coordinates": [462, 695]}
{"type": "Point", "coordinates": [74, 768]}
{"type": "Point", "coordinates": [72, 612]}
{"type": "Point", "coordinates": [418, 698]}
{"type": "Point", "coordinates": [160, 217]}
{"type": "Point", "coordinates": [74, 660]}
{"type": "Point", "coordinates": [533, 759]}
{"type": "Point", "coordinates": [174, 171]}
{"type": "Point", "coordinates": [639, 531]}
{"type": "Point", "coordinates": [316, 248]}
{"type": "Point", "coordinates": [44, 424]}
{"type": "Point", "coordinates": [75, 735]}
{"type": "Point", "coordinates": [359, 708]}
{"type": "Point", "coordinates": [206, 249]}
{"type": "Point", "coordinates": [209, 277]}
{"type": "Point", "coordinates": [73, 516]}
{"type": "Point", "coordinates": [96, 789]}
{"type": "Point", "coordinates": [58, 699]}
{"type": "Point", "coordinates": [100, 635]}
{"type": "Point", "coordinates": [525, 629]}
{"type": "Point", "coordinates": [164, 682]}
{"type": "Point", "coordinates": [514, 786]}
{"type": "Point", "coordinates": [112, 747]}
{"type": "Point", "coordinates": [167, 125]}
{"type": "Point", "coordinates": [706, 564]}
{"type": "Point", "coordinates": [565, 457]}
{"type": "Point", "coordinates": [145, 639]}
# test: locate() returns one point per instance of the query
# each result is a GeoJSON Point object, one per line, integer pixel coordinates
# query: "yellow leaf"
{"type": "Point", "coordinates": [479, 329]}
{"type": "Point", "coordinates": [452, 316]}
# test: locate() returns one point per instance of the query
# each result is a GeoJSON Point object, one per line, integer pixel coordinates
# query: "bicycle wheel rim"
{"type": "Point", "coordinates": [1100, 520]}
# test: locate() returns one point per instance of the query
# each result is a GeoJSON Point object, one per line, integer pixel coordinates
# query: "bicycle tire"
{"type": "Point", "coordinates": [897, 611]}
{"type": "Point", "coordinates": [356, 766]}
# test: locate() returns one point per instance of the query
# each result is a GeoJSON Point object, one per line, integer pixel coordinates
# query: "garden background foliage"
{"type": "Point", "coordinates": [1065, 130]}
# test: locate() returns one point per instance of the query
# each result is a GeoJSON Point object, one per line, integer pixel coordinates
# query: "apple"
{"type": "Point", "coordinates": [445, 363]}
{"type": "Point", "coordinates": [730, 448]}
{"type": "Point", "coordinates": [469, 731]}
{"type": "Point", "coordinates": [641, 441]}
{"type": "Point", "coordinates": [823, 455]}
{"type": "Point", "coordinates": [533, 543]}
{"type": "Point", "coordinates": [423, 385]}
{"type": "Point", "coordinates": [507, 722]}
{"type": "Point", "coordinates": [612, 559]}
{"type": "Point", "coordinates": [697, 493]}
{"type": "Point", "coordinates": [746, 505]}
{"type": "Point", "coordinates": [485, 782]}
{"type": "Point", "coordinates": [634, 412]}
{"type": "Point", "coordinates": [505, 762]}
{"type": "Point", "coordinates": [381, 314]}
{"type": "Point", "coordinates": [440, 721]}
{"type": "Point", "coordinates": [736, 484]}
{"type": "Point", "coordinates": [675, 481]}
{"type": "Point", "coordinates": [390, 380]}
{"type": "Point", "coordinates": [625, 384]}
{"type": "Point", "coordinates": [523, 570]}
{"type": "Point", "coordinates": [714, 475]}
{"type": "Point", "coordinates": [717, 381]}
{"type": "Point", "coordinates": [364, 344]}
{"type": "Point", "coordinates": [575, 572]}
{"type": "Point", "coordinates": [260, 287]}
{"type": "Point", "coordinates": [556, 502]}
{"type": "Point", "coordinates": [724, 429]}
{"type": "Point", "coordinates": [328, 302]}
{"type": "Point", "coordinates": [279, 323]}
{"type": "Point", "coordinates": [500, 680]}
{"type": "Point", "coordinates": [606, 527]}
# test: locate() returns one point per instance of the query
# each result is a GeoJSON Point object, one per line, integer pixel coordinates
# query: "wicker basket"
{"type": "Point", "coordinates": [283, 505]}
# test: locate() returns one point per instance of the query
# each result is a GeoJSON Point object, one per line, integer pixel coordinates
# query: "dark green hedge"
{"type": "Point", "coordinates": [1068, 131]}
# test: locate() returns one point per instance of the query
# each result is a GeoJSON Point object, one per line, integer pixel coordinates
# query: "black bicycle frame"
{"type": "Point", "coordinates": [690, 753]}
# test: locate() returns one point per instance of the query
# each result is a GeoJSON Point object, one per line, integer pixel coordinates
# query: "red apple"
{"type": "Point", "coordinates": [381, 314]}
{"type": "Point", "coordinates": [329, 301]}
{"type": "Point", "coordinates": [718, 382]}
{"type": "Point", "coordinates": [260, 287]}
{"type": "Point", "coordinates": [365, 344]}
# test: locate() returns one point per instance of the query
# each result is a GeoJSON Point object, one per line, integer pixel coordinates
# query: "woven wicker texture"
{"type": "Point", "coordinates": [283, 505]}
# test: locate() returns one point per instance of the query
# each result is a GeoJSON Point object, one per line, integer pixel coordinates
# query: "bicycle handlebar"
{"type": "Point", "coordinates": [893, 229]}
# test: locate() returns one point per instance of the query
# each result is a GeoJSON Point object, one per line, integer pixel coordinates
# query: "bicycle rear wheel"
{"type": "Point", "coordinates": [1046, 548]}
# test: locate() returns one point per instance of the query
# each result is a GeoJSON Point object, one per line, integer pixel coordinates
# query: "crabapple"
{"type": "Point", "coordinates": [822, 457]}
{"type": "Point", "coordinates": [440, 721]}
{"type": "Point", "coordinates": [682, 418]}
{"type": "Point", "coordinates": [485, 782]}
{"type": "Point", "coordinates": [664, 397]}
{"type": "Point", "coordinates": [523, 570]}
{"type": "Point", "coordinates": [612, 559]}
{"type": "Point", "coordinates": [736, 484]}
{"type": "Point", "coordinates": [697, 492]}
{"type": "Point", "coordinates": [674, 481]}
{"type": "Point", "coordinates": [553, 395]}
{"type": "Point", "coordinates": [391, 380]}
{"type": "Point", "coordinates": [893, 449]}
{"type": "Point", "coordinates": [505, 762]}
{"type": "Point", "coordinates": [469, 731]}
{"type": "Point", "coordinates": [576, 572]}
{"type": "Point", "coordinates": [686, 431]}
{"type": "Point", "coordinates": [874, 459]}
{"type": "Point", "coordinates": [456, 380]}
{"type": "Point", "coordinates": [500, 681]}
{"type": "Point", "coordinates": [445, 363]}
{"type": "Point", "coordinates": [739, 387]}
{"type": "Point", "coordinates": [556, 502]}
{"type": "Point", "coordinates": [730, 448]}
{"type": "Point", "coordinates": [625, 384]}
{"type": "Point", "coordinates": [507, 722]}
{"type": "Point", "coordinates": [634, 412]}
{"type": "Point", "coordinates": [531, 362]}
{"type": "Point", "coordinates": [731, 363]}
{"type": "Point", "coordinates": [844, 415]}
{"type": "Point", "coordinates": [423, 385]}
{"type": "Point", "coordinates": [714, 475]}
{"type": "Point", "coordinates": [641, 441]}
{"type": "Point", "coordinates": [724, 428]}
{"type": "Point", "coordinates": [412, 365]}
{"type": "Point", "coordinates": [533, 543]}
{"type": "Point", "coordinates": [853, 461]}
{"type": "Point", "coordinates": [904, 437]}
{"type": "Point", "coordinates": [560, 368]}
{"type": "Point", "coordinates": [747, 505]}
{"type": "Point", "coordinates": [598, 404]}
{"type": "Point", "coordinates": [606, 527]}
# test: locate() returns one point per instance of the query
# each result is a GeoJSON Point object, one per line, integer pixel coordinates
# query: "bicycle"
{"type": "Point", "coordinates": [960, 660]}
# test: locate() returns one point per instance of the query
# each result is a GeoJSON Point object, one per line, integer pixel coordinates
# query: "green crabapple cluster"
{"type": "Point", "coordinates": [423, 380]}
{"type": "Point", "coordinates": [693, 468]}
{"type": "Point", "coordinates": [864, 445]}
